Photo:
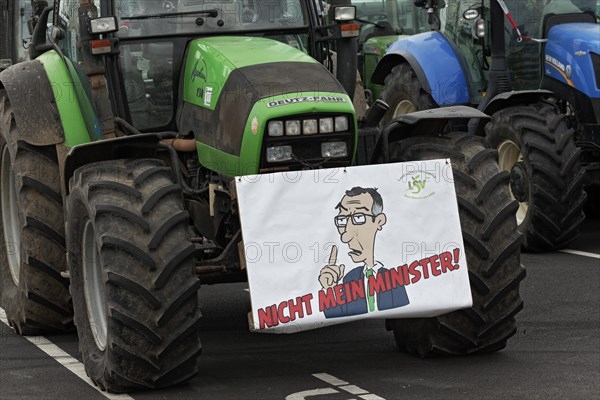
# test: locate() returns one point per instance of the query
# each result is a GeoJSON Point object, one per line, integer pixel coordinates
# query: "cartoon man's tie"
{"type": "Point", "coordinates": [370, 297]}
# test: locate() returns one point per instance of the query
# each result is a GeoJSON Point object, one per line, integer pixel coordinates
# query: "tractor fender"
{"type": "Point", "coordinates": [435, 63]}
{"type": "Point", "coordinates": [136, 146]}
{"type": "Point", "coordinates": [510, 99]}
{"type": "Point", "coordinates": [33, 103]}
{"type": "Point", "coordinates": [51, 102]}
{"type": "Point", "coordinates": [422, 123]}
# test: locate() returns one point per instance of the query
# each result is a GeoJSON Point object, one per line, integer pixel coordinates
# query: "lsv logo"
{"type": "Point", "coordinates": [417, 184]}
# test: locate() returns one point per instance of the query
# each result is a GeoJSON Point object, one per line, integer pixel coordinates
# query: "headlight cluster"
{"type": "Point", "coordinates": [313, 126]}
{"type": "Point", "coordinates": [277, 154]}
{"type": "Point", "coordinates": [309, 138]}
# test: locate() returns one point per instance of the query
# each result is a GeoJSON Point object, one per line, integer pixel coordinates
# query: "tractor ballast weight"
{"type": "Point", "coordinates": [147, 215]}
{"type": "Point", "coordinates": [433, 69]}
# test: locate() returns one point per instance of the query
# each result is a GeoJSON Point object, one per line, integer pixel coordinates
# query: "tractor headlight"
{"type": "Point", "coordinates": [326, 125]}
{"type": "Point", "coordinates": [103, 25]}
{"type": "Point", "coordinates": [292, 128]}
{"type": "Point", "coordinates": [310, 126]}
{"type": "Point", "coordinates": [279, 153]}
{"type": "Point", "coordinates": [480, 28]}
{"type": "Point", "coordinates": [344, 13]}
{"type": "Point", "coordinates": [334, 149]}
{"type": "Point", "coordinates": [341, 124]}
{"type": "Point", "coordinates": [276, 128]}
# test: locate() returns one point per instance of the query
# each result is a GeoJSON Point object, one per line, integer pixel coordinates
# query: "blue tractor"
{"type": "Point", "coordinates": [534, 66]}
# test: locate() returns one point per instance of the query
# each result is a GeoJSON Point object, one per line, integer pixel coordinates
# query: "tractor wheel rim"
{"type": "Point", "coordinates": [509, 154]}
{"type": "Point", "coordinates": [404, 107]}
{"type": "Point", "coordinates": [93, 286]}
{"type": "Point", "coordinates": [10, 216]}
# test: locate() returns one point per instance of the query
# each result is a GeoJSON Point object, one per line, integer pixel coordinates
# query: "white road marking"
{"type": "Point", "coordinates": [332, 380]}
{"type": "Point", "coordinates": [309, 393]}
{"type": "Point", "coordinates": [352, 389]}
{"type": "Point", "coordinates": [371, 397]}
{"type": "Point", "coordinates": [63, 358]}
{"type": "Point", "coordinates": [581, 253]}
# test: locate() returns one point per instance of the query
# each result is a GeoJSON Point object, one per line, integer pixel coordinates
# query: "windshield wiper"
{"type": "Point", "coordinates": [214, 13]}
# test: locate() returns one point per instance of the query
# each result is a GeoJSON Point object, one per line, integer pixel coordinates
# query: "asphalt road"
{"type": "Point", "coordinates": [554, 355]}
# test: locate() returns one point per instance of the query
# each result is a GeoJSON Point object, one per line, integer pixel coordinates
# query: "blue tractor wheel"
{"type": "Point", "coordinates": [404, 93]}
{"type": "Point", "coordinates": [536, 146]}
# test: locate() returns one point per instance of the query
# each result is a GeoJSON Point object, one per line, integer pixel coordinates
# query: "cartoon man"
{"type": "Point", "coordinates": [360, 217]}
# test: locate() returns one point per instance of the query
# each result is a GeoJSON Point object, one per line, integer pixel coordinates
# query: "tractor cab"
{"type": "Point", "coordinates": [153, 38]}
{"type": "Point", "coordinates": [467, 25]}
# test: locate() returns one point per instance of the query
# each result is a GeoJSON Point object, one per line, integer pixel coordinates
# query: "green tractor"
{"type": "Point", "coordinates": [120, 141]}
{"type": "Point", "coordinates": [536, 72]}
{"type": "Point", "coordinates": [382, 24]}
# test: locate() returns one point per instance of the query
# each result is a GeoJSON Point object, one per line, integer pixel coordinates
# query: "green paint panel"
{"type": "Point", "coordinates": [264, 110]}
{"type": "Point", "coordinates": [64, 89]}
{"type": "Point", "coordinates": [246, 51]}
{"type": "Point", "coordinates": [378, 45]}
{"type": "Point", "coordinates": [210, 61]}
{"type": "Point", "coordinates": [375, 48]}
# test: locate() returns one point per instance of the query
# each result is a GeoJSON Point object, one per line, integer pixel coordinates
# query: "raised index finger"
{"type": "Point", "coordinates": [333, 255]}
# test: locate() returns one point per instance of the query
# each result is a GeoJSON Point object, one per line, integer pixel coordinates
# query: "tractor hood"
{"type": "Point", "coordinates": [572, 56]}
{"type": "Point", "coordinates": [267, 66]}
{"type": "Point", "coordinates": [232, 87]}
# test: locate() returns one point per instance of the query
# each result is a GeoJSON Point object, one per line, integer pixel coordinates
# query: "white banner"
{"type": "Point", "coordinates": [334, 245]}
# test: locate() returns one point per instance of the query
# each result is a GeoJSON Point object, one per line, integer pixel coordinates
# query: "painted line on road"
{"type": "Point", "coordinates": [332, 380]}
{"type": "Point", "coordinates": [581, 253]}
{"type": "Point", "coordinates": [352, 389]}
{"type": "Point", "coordinates": [65, 359]}
{"type": "Point", "coordinates": [311, 393]}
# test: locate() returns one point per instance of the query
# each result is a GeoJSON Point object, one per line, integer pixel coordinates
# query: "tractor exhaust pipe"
{"type": "Point", "coordinates": [499, 81]}
{"type": "Point", "coordinates": [347, 57]}
{"type": "Point", "coordinates": [94, 69]}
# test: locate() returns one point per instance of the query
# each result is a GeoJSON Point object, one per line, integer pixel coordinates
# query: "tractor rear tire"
{"type": "Point", "coordinates": [33, 293]}
{"type": "Point", "coordinates": [492, 247]}
{"type": "Point", "coordinates": [404, 93]}
{"type": "Point", "coordinates": [133, 281]}
{"type": "Point", "coordinates": [536, 145]}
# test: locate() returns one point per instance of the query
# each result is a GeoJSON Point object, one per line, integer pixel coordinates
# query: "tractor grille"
{"type": "Point", "coordinates": [596, 64]}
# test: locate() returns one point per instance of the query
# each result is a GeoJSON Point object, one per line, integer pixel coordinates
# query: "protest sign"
{"type": "Point", "coordinates": [334, 245]}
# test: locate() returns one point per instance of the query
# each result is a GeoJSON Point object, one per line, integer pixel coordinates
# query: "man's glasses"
{"type": "Point", "coordinates": [341, 221]}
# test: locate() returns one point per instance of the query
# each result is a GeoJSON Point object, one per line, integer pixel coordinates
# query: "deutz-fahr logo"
{"type": "Point", "coordinates": [295, 100]}
{"type": "Point", "coordinates": [417, 184]}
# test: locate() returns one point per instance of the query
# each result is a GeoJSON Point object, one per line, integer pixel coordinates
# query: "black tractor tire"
{"type": "Point", "coordinates": [32, 291]}
{"type": "Point", "coordinates": [492, 249]}
{"type": "Point", "coordinates": [536, 145]}
{"type": "Point", "coordinates": [133, 280]}
{"type": "Point", "coordinates": [404, 93]}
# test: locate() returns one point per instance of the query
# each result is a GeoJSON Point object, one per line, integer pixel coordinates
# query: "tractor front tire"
{"type": "Point", "coordinates": [536, 146]}
{"type": "Point", "coordinates": [404, 93]}
{"type": "Point", "coordinates": [133, 281]}
{"type": "Point", "coordinates": [33, 293]}
{"type": "Point", "coordinates": [492, 247]}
